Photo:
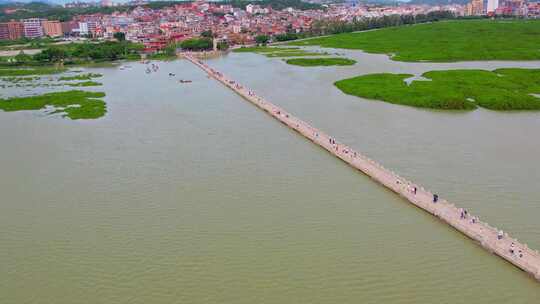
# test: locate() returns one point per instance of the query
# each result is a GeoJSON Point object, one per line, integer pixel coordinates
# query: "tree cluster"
{"type": "Point", "coordinates": [197, 44]}
{"type": "Point", "coordinates": [362, 24]}
{"type": "Point", "coordinates": [222, 45]}
{"type": "Point", "coordinates": [207, 34]}
{"type": "Point", "coordinates": [105, 51]}
{"type": "Point", "coordinates": [286, 37]}
{"type": "Point", "coordinates": [120, 36]}
{"type": "Point", "coordinates": [262, 39]}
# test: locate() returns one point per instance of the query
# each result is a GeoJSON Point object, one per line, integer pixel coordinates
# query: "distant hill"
{"type": "Point", "coordinates": [23, 1]}
{"type": "Point", "coordinates": [33, 4]}
{"type": "Point", "coordinates": [57, 12]}
{"type": "Point", "coordinates": [48, 11]}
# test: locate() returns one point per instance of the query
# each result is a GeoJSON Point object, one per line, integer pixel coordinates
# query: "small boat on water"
{"type": "Point", "coordinates": [184, 81]}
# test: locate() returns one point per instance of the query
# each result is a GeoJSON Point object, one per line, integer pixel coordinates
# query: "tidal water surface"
{"type": "Point", "coordinates": [185, 193]}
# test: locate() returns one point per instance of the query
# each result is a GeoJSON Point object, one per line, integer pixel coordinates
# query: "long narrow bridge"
{"type": "Point", "coordinates": [488, 237]}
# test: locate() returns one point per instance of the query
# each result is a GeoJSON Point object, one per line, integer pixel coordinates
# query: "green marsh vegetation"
{"type": "Point", "coordinates": [10, 72]}
{"type": "Point", "coordinates": [501, 89]}
{"type": "Point", "coordinates": [14, 79]}
{"type": "Point", "coordinates": [85, 80]}
{"type": "Point", "coordinates": [278, 51]}
{"type": "Point", "coordinates": [449, 41]}
{"type": "Point", "coordinates": [81, 77]}
{"type": "Point", "coordinates": [299, 53]}
{"type": "Point", "coordinates": [73, 104]}
{"type": "Point", "coordinates": [311, 62]}
{"type": "Point", "coordinates": [84, 84]}
{"type": "Point", "coordinates": [263, 49]}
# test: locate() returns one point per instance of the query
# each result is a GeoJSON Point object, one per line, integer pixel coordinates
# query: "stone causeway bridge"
{"type": "Point", "coordinates": [490, 238]}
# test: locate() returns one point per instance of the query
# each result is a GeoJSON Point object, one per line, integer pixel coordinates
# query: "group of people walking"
{"type": "Point", "coordinates": [153, 67]}
{"type": "Point", "coordinates": [515, 251]}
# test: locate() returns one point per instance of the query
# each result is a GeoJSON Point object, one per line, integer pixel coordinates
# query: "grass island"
{"type": "Point", "coordinates": [73, 104]}
{"type": "Point", "coordinates": [501, 89]}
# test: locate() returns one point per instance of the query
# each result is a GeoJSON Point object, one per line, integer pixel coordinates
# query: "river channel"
{"type": "Point", "coordinates": [185, 193]}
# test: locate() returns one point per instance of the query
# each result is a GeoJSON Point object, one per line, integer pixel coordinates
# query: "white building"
{"type": "Point", "coordinates": [492, 5]}
{"type": "Point", "coordinates": [83, 29]}
{"type": "Point", "coordinates": [32, 28]}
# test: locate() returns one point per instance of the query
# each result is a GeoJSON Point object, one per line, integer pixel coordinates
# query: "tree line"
{"type": "Point", "coordinates": [56, 12]}
{"type": "Point", "coordinates": [319, 28]}
{"type": "Point", "coordinates": [81, 52]}
{"type": "Point", "coordinates": [329, 27]}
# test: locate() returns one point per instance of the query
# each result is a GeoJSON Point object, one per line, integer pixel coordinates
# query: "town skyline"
{"type": "Point", "coordinates": [156, 28]}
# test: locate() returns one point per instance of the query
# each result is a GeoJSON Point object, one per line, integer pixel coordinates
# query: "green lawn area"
{"type": "Point", "coordinates": [445, 41]}
{"type": "Point", "coordinates": [502, 89]}
{"type": "Point", "coordinates": [74, 104]}
{"type": "Point", "coordinates": [310, 62]}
